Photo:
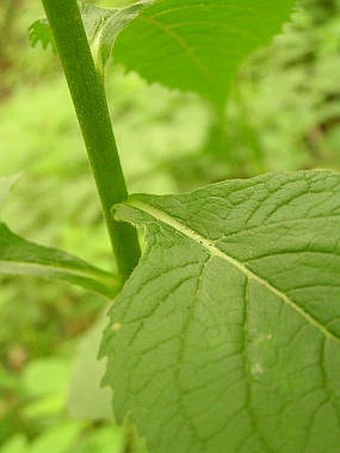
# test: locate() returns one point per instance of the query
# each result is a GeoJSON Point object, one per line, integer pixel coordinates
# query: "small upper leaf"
{"type": "Point", "coordinates": [20, 257]}
{"type": "Point", "coordinates": [103, 25]}
{"type": "Point", "coordinates": [226, 338]}
{"type": "Point", "coordinates": [197, 45]}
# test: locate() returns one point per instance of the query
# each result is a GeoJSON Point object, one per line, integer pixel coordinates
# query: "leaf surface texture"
{"type": "Point", "coordinates": [227, 335]}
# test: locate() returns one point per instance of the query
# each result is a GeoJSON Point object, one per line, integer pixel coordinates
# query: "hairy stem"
{"type": "Point", "coordinates": [89, 99]}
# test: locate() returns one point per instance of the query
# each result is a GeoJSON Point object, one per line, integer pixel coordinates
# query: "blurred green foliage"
{"type": "Point", "coordinates": [290, 93]}
{"type": "Point", "coordinates": [284, 114]}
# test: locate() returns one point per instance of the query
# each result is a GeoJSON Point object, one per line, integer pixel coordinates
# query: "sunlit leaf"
{"type": "Point", "coordinates": [184, 44]}
{"type": "Point", "coordinates": [199, 45]}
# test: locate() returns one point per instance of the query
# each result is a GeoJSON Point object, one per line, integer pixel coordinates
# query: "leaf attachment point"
{"type": "Point", "coordinates": [103, 25]}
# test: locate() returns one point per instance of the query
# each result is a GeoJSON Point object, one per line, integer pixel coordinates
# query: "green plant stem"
{"type": "Point", "coordinates": [89, 99]}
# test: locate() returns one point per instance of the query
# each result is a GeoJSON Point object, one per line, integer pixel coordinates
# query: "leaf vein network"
{"type": "Point", "coordinates": [166, 219]}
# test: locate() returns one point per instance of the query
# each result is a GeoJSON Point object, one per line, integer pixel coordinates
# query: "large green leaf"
{"type": "Point", "coordinates": [197, 45]}
{"type": "Point", "coordinates": [226, 338]}
{"type": "Point", "coordinates": [21, 257]}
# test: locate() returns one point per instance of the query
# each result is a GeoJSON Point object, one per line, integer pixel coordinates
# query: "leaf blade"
{"type": "Point", "coordinates": [214, 356]}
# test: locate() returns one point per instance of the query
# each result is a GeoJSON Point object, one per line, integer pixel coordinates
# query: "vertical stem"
{"type": "Point", "coordinates": [89, 99]}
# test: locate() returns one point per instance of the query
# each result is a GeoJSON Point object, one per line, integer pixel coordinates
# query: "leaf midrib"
{"type": "Point", "coordinates": [166, 219]}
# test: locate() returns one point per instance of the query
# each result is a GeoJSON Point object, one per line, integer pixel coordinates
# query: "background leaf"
{"type": "Point", "coordinates": [20, 257]}
{"type": "Point", "coordinates": [227, 336]}
{"type": "Point", "coordinates": [198, 45]}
